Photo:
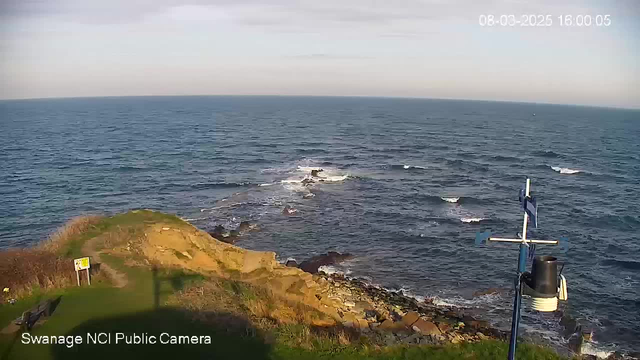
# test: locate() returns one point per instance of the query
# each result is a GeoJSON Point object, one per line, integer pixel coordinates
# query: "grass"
{"type": "Point", "coordinates": [244, 321]}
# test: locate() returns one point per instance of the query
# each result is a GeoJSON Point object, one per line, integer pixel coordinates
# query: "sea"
{"type": "Point", "coordinates": [406, 185]}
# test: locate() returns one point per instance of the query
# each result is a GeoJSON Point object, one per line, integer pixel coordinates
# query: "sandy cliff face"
{"type": "Point", "coordinates": [187, 247]}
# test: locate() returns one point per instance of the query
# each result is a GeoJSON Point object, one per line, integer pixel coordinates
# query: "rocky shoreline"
{"type": "Point", "coordinates": [402, 319]}
{"type": "Point", "coordinates": [394, 318]}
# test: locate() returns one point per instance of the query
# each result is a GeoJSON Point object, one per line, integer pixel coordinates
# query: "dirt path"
{"type": "Point", "coordinates": [118, 278]}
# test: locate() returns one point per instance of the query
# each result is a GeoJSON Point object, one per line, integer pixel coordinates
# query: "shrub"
{"type": "Point", "coordinates": [72, 229]}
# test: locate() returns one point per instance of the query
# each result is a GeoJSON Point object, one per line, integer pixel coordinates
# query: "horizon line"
{"type": "Point", "coordinates": [321, 96]}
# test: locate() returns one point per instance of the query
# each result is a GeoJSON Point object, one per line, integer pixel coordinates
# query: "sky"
{"type": "Point", "coordinates": [400, 48]}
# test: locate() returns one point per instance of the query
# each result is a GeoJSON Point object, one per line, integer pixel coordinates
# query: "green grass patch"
{"type": "Point", "coordinates": [133, 218]}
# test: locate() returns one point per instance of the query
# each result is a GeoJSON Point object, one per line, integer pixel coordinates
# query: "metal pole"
{"type": "Point", "coordinates": [517, 301]}
{"type": "Point", "coordinates": [88, 277]}
{"type": "Point", "coordinates": [78, 277]}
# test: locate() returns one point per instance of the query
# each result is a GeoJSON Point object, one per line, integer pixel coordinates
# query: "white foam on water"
{"type": "Point", "coordinates": [591, 348]}
{"type": "Point", "coordinates": [308, 169]}
{"type": "Point", "coordinates": [567, 171]}
{"type": "Point", "coordinates": [194, 219]}
{"type": "Point", "coordinates": [407, 167]}
{"type": "Point", "coordinates": [450, 199]}
{"type": "Point", "coordinates": [267, 184]}
{"type": "Point", "coordinates": [479, 301]}
{"type": "Point", "coordinates": [329, 269]}
{"type": "Point", "coordinates": [472, 219]}
{"type": "Point", "coordinates": [336, 178]}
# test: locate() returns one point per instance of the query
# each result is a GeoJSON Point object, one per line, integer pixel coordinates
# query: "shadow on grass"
{"type": "Point", "coordinates": [231, 337]}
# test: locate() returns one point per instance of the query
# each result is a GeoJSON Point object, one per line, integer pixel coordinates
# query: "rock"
{"type": "Point", "coordinates": [245, 226]}
{"type": "Point", "coordinates": [456, 338]}
{"type": "Point", "coordinates": [412, 339]}
{"type": "Point", "coordinates": [288, 210]}
{"type": "Point", "coordinates": [389, 325]}
{"type": "Point", "coordinates": [410, 318]}
{"type": "Point", "coordinates": [363, 324]}
{"type": "Point", "coordinates": [311, 265]}
{"type": "Point", "coordinates": [315, 172]}
{"type": "Point", "coordinates": [444, 327]}
{"type": "Point", "coordinates": [618, 356]}
{"type": "Point", "coordinates": [479, 324]}
{"type": "Point", "coordinates": [425, 327]}
{"type": "Point", "coordinates": [482, 336]}
{"type": "Point", "coordinates": [219, 232]}
{"type": "Point", "coordinates": [575, 343]}
{"type": "Point", "coordinates": [349, 303]}
{"type": "Point", "coordinates": [363, 306]}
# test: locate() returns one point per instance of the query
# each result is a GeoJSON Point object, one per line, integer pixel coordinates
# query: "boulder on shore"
{"type": "Point", "coordinates": [332, 257]}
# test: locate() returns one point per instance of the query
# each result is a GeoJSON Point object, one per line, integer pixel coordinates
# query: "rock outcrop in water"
{"type": "Point", "coordinates": [230, 236]}
{"type": "Point", "coordinates": [331, 258]}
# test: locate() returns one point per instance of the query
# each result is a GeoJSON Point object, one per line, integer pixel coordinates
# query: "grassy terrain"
{"type": "Point", "coordinates": [158, 300]}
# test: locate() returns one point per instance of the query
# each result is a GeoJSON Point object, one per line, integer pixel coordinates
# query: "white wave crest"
{"type": "Point", "coordinates": [336, 178]}
{"type": "Point", "coordinates": [470, 220]}
{"type": "Point", "coordinates": [450, 199]}
{"type": "Point", "coordinates": [407, 167]}
{"type": "Point", "coordinates": [495, 300]}
{"type": "Point", "coordinates": [267, 184]}
{"type": "Point", "coordinates": [328, 269]}
{"type": "Point", "coordinates": [194, 219]}
{"type": "Point", "coordinates": [308, 169]}
{"type": "Point", "coordinates": [590, 348]}
{"type": "Point", "coordinates": [567, 171]}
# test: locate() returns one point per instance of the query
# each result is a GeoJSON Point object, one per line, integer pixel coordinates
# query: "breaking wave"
{"type": "Point", "coordinates": [567, 171]}
{"type": "Point", "coordinates": [450, 199]}
{"type": "Point", "coordinates": [472, 220]}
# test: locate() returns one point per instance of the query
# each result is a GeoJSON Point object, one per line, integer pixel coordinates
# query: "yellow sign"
{"type": "Point", "coordinates": [81, 263]}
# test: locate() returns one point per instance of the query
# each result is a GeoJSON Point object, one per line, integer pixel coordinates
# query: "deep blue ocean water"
{"type": "Point", "coordinates": [390, 162]}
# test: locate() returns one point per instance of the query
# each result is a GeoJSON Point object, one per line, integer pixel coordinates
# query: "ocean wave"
{"type": "Point", "coordinates": [266, 184]}
{"type": "Point", "coordinates": [546, 154]}
{"type": "Point", "coordinates": [335, 178]}
{"type": "Point", "coordinates": [407, 167]}
{"type": "Point", "coordinates": [450, 199]}
{"type": "Point", "coordinates": [493, 299]}
{"type": "Point", "coordinates": [567, 171]}
{"type": "Point", "coordinates": [194, 219]}
{"type": "Point", "coordinates": [472, 220]}
{"type": "Point", "coordinates": [503, 158]}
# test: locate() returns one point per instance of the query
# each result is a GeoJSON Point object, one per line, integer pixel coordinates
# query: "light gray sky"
{"type": "Point", "coordinates": [408, 48]}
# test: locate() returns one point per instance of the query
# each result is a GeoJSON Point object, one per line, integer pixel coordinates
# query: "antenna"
{"type": "Point", "coordinates": [543, 283]}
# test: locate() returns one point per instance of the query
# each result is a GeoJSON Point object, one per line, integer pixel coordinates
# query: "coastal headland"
{"type": "Point", "coordinates": [158, 283]}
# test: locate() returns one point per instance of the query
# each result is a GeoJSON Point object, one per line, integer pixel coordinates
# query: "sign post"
{"type": "Point", "coordinates": [82, 264]}
{"type": "Point", "coordinates": [530, 212]}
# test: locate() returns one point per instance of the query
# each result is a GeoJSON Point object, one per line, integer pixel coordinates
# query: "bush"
{"type": "Point", "coordinates": [72, 229]}
{"type": "Point", "coordinates": [23, 270]}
